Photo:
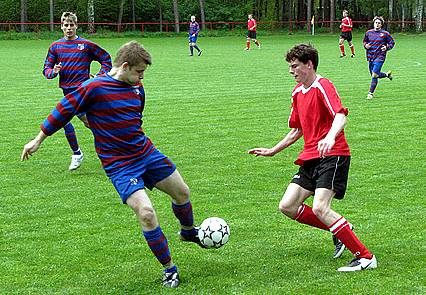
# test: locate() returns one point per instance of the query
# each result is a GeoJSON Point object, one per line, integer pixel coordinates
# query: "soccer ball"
{"type": "Point", "coordinates": [214, 232]}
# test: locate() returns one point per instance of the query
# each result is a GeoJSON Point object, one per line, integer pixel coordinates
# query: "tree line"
{"type": "Point", "coordinates": [400, 14]}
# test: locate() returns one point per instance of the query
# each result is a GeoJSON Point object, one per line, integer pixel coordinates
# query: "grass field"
{"type": "Point", "coordinates": [67, 233]}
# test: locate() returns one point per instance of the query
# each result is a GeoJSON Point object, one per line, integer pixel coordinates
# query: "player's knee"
{"type": "Point", "coordinates": [374, 75]}
{"type": "Point", "coordinates": [146, 215]}
{"type": "Point", "coordinates": [320, 210]}
{"type": "Point", "coordinates": [287, 209]}
{"type": "Point", "coordinates": [182, 194]}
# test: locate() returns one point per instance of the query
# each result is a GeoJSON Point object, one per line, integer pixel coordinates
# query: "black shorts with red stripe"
{"type": "Point", "coordinates": [329, 172]}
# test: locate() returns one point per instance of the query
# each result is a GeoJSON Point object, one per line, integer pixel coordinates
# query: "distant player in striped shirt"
{"type": "Point", "coordinates": [346, 34]}
{"type": "Point", "coordinates": [114, 104]}
{"type": "Point", "coordinates": [194, 29]}
{"type": "Point", "coordinates": [317, 114]}
{"type": "Point", "coordinates": [70, 58]}
{"type": "Point", "coordinates": [377, 43]}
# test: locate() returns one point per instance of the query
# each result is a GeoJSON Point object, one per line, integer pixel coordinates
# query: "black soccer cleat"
{"type": "Point", "coordinates": [191, 238]}
{"type": "Point", "coordinates": [200, 52]}
{"type": "Point", "coordinates": [171, 279]}
{"type": "Point", "coordinates": [343, 55]}
{"type": "Point", "coordinates": [339, 246]}
{"type": "Point", "coordinates": [389, 75]}
{"type": "Point", "coordinates": [353, 55]}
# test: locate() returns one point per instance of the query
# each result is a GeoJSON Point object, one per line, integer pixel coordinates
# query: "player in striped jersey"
{"type": "Point", "coordinates": [377, 43]}
{"type": "Point", "coordinates": [194, 29]}
{"type": "Point", "coordinates": [114, 104]}
{"type": "Point", "coordinates": [317, 114]}
{"type": "Point", "coordinates": [346, 27]}
{"type": "Point", "coordinates": [70, 58]}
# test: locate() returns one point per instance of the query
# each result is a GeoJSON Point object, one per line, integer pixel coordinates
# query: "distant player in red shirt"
{"type": "Point", "coordinates": [317, 114]}
{"type": "Point", "coordinates": [346, 34]}
{"type": "Point", "coordinates": [251, 33]}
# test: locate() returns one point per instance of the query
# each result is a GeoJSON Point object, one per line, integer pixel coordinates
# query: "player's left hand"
{"type": "Point", "coordinates": [384, 48]}
{"type": "Point", "coordinates": [325, 145]}
{"type": "Point", "coordinates": [29, 149]}
{"type": "Point", "coordinates": [92, 76]}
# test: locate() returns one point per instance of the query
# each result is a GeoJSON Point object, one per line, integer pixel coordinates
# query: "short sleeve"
{"type": "Point", "coordinates": [331, 98]}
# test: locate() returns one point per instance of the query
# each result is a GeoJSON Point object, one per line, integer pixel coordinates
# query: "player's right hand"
{"type": "Point", "coordinates": [29, 149]}
{"type": "Point", "coordinates": [262, 152]}
{"type": "Point", "coordinates": [367, 46]}
{"type": "Point", "coordinates": [57, 68]}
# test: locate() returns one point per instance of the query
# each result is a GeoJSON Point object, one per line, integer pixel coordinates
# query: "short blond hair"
{"type": "Point", "coordinates": [133, 53]}
{"type": "Point", "coordinates": [69, 15]}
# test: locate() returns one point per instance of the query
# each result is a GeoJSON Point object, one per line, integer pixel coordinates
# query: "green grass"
{"type": "Point", "coordinates": [67, 233]}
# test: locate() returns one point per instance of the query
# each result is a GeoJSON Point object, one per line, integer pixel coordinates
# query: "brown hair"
{"type": "Point", "coordinates": [69, 15]}
{"type": "Point", "coordinates": [133, 53]}
{"type": "Point", "coordinates": [381, 19]}
{"type": "Point", "coordinates": [303, 53]}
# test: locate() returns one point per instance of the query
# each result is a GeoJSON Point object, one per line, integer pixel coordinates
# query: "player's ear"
{"type": "Point", "coordinates": [125, 66]}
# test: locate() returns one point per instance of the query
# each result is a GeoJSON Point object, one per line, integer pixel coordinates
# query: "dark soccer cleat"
{"type": "Point", "coordinates": [353, 55]}
{"type": "Point", "coordinates": [343, 55]}
{"type": "Point", "coordinates": [340, 247]}
{"type": "Point", "coordinates": [389, 75]}
{"type": "Point", "coordinates": [357, 264]}
{"type": "Point", "coordinates": [200, 52]}
{"type": "Point", "coordinates": [191, 238]}
{"type": "Point", "coordinates": [171, 279]}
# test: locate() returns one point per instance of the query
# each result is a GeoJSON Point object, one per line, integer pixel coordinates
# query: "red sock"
{"type": "Point", "coordinates": [305, 215]}
{"type": "Point", "coordinates": [352, 49]}
{"type": "Point", "coordinates": [342, 49]}
{"type": "Point", "coordinates": [341, 230]}
{"type": "Point", "coordinates": [248, 44]}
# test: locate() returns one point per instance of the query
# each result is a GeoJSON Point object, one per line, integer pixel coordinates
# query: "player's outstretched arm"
{"type": "Point", "coordinates": [33, 146]}
{"type": "Point", "coordinates": [288, 140]}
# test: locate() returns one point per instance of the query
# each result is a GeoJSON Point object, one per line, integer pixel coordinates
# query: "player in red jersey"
{"type": "Point", "coordinates": [251, 33]}
{"type": "Point", "coordinates": [317, 114]}
{"type": "Point", "coordinates": [346, 34]}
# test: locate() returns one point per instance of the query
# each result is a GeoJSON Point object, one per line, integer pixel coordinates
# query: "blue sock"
{"type": "Point", "coordinates": [72, 138]}
{"type": "Point", "coordinates": [382, 75]}
{"type": "Point", "coordinates": [171, 269]}
{"type": "Point", "coordinates": [373, 84]}
{"type": "Point", "coordinates": [158, 244]}
{"type": "Point", "coordinates": [184, 213]}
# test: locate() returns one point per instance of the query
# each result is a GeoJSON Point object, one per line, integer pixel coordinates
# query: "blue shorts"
{"type": "Point", "coordinates": [375, 67]}
{"type": "Point", "coordinates": [192, 39]}
{"type": "Point", "coordinates": [69, 90]}
{"type": "Point", "coordinates": [141, 174]}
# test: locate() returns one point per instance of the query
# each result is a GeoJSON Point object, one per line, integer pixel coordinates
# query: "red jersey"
{"type": "Point", "coordinates": [348, 22]}
{"type": "Point", "coordinates": [313, 110]}
{"type": "Point", "coordinates": [251, 25]}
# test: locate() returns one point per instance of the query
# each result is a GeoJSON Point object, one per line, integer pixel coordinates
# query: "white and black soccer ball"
{"type": "Point", "coordinates": [214, 232]}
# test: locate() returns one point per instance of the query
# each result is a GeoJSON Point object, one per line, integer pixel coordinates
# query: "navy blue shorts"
{"type": "Point", "coordinates": [193, 39]}
{"type": "Point", "coordinates": [141, 174]}
{"type": "Point", "coordinates": [375, 67]}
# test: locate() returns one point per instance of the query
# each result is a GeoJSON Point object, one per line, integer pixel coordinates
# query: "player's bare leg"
{"type": "Point", "coordinates": [178, 190]}
{"type": "Point", "coordinates": [142, 206]}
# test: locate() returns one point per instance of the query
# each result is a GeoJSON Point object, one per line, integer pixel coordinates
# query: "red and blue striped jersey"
{"type": "Point", "coordinates": [377, 39]}
{"type": "Point", "coordinates": [75, 57]}
{"type": "Point", "coordinates": [194, 28]}
{"type": "Point", "coordinates": [114, 111]}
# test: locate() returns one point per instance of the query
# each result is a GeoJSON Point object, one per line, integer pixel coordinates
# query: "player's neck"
{"type": "Point", "coordinates": [71, 38]}
{"type": "Point", "coordinates": [310, 80]}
